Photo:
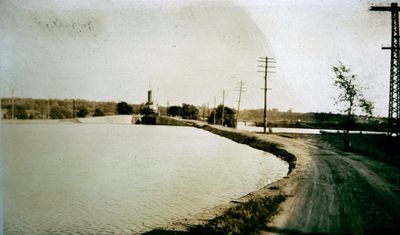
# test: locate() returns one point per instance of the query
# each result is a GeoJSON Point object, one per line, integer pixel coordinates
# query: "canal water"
{"type": "Point", "coordinates": [243, 127]}
{"type": "Point", "coordinates": [120, 179]}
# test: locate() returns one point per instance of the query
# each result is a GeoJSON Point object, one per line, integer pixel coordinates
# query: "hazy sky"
{"type": "Point", "coordinates": [191, 50]}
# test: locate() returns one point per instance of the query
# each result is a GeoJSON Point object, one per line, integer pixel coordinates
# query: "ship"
{"type": "Point", "coordinates": [149, 110]}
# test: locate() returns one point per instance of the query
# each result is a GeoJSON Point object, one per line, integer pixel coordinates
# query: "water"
{"type": "Point", "coordinates": [243, 127]}
{"type": "Point", "coordinates": [121, 179]}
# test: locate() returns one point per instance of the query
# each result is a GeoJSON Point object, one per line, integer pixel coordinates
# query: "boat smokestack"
{"type": "Point", "coordinates": [149, 97]}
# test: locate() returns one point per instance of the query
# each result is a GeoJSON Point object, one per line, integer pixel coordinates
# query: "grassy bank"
{"type": "Point", "coordinates": [245, 218]}
{"type": "Point", "coordinates": [378, 147]}
{"type": "Point", "coordinates": [248, 139]}
{"type": "Point", "coordinates": [237, 136]}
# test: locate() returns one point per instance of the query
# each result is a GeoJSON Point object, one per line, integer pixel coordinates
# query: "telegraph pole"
{"type": "Point", "coordinates": [12, 104]}
{"type": "Point", "coordinates": [167, 108]}
{"type": "Point", "coordinates": [223, 107]}
{"type": "Point", "coordinates": [73, 108]}
{"type": "Point", "coordinates": [204, 111]}
{"type": "Point", "coordinates": [208, 109]}
{"type": "Point", "coordinates": [215, 110]}
{"type": "Point", "coordinates": [394, 95]}
{"type": "Point", "coordinates": [48, 108]}
{"type": "Point", "coordinates": [266, 60]}
{"type": "Point", "coordinates": [241, 84]}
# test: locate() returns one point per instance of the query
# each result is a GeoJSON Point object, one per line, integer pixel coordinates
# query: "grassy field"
{"type": "Point", "coordinates": [378, 147]}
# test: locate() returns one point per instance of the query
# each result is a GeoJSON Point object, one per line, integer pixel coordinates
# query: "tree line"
{"type": "Point", "coordinates": [223, 115]}
{"type": "Point", "coordinates": [28, 108]}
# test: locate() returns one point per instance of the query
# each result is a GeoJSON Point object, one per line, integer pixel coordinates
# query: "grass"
{"type": "Point", "coordinates": [378, 147]}
{"type": "Point", "coordinates": [256, 143]}
{"type": "Point", "coordinates": [245, 218]}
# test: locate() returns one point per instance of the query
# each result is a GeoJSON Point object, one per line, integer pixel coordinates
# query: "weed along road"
{"type": "Point", "coordinates": [339, 192]}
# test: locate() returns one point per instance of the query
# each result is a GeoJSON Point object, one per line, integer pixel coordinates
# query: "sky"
{"type": "Point", "coordinates": [190, 51]}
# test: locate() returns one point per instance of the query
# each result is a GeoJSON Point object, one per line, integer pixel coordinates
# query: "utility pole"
{"type": "Point", "coordinates": [167, 108]}
{"type": "Point", "coordinates": [394, 95]}
{"type": "Point", "coordinates": [73, 108]}
{"type": "Point", "coordinates": [215, 110]}
{"type": "Point", "coordinates": [12, 104]}
{"type": "Point", "coordinates": [208, 109]}
{"type": "Point", "coordinates": [223, 107]}
{"type": "Point", "coordinates": [241, 88]}
{"type": "Point", "coordinates": [204, 111]}
{"type": "Point", "coordinates": [265, 60]}
{"type": "Point", "coordinates": [48, 108]}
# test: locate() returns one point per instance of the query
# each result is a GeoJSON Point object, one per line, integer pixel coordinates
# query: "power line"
{"type": "Point", "coordinates": [266, 60]}
{"type": "Point", "coordinates": [394, 95]}
{"type": "Point", "coordinates": [223, 107]}
{"type": "Point", "coordinates": [241, 89]}
{"type": "Point", "coordinates": [215, 110]}
{"type": "Point", "coordinates": [12, 104]}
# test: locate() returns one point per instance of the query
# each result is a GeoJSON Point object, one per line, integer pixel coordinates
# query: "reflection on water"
{"type": "Point", "coordinates": [73, 178]}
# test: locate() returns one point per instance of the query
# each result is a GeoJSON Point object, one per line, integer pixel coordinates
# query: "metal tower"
{"type": "Point", "coordinates": [394, 96]}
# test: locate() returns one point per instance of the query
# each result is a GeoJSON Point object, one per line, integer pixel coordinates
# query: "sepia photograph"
{"type": "Point", "coordinates": [162, 117]}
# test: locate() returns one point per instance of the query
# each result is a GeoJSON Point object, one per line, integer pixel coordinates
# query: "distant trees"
{"type": "Point", "coordinates": [124, 108]}
{"type": "Point", "coordinates": [350, 95]}
{"type": "Point", "coordinates": [186, 111]}
{"type": "Point", "coordinates": [98, 113]}
{"type": "Point", "coordinates": [82, 112]}
{"type": "Point", "coordinates": [59, 112]}
{"type": "Point", "coordinates": [229, 116]}
{"type": "Point", "coordinates": [175, 111]}
{"type": "Point", "coordinates": [20, 112]}
{"type": "Point", "coordinates": [55, 108]}
{"type": "Point", "coordinates": [189, 111]}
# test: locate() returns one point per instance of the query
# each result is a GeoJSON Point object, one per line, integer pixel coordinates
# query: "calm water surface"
{"type": "Point", "coordinates": [243, 127]}
{"type": "Point", "coordinates": [120, 179]}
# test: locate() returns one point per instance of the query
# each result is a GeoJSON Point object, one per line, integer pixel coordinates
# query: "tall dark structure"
{"type": "Point", "coordinates": [394, 96]}
{"type": "Point", "coordinates": [265, 60]}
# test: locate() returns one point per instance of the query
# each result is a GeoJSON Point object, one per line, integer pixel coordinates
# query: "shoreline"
{"type": "Point", "coordinates": [328, 190]}
{"type": "Point", "coordinates": [250, 212]}
{"type": "Point", "coordinates": [254, 203]}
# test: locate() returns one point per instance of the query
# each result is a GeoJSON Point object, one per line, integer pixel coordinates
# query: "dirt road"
{"type": "Point", "coordinates": [340, 192]}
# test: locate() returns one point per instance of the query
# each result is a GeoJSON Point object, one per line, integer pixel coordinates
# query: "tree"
{"type": "Point", "coordinates": [124, 108]}
{"type": "Point", "coordinates": [349, 94]}
{"type": "Point", "coordinates": [174, 111]}
{"type": "Point", "coordinates": [98, 113]}
{"type": "Point", "coordinates": [229, 116]}
{"type": "Point", "coordinates": [20, 112]}
{"type": "Point", "coordinates": [58, 112]}
{"type": "Point", "coordinates": [189, 111]}
{"type": "Point", "coordinates": [82, 112]}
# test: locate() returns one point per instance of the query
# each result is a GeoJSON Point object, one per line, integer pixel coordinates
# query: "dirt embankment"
{"type": "Point", "coordinates": [237, 136]}
{"type": "Point", "coordinates": [255, 142]}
